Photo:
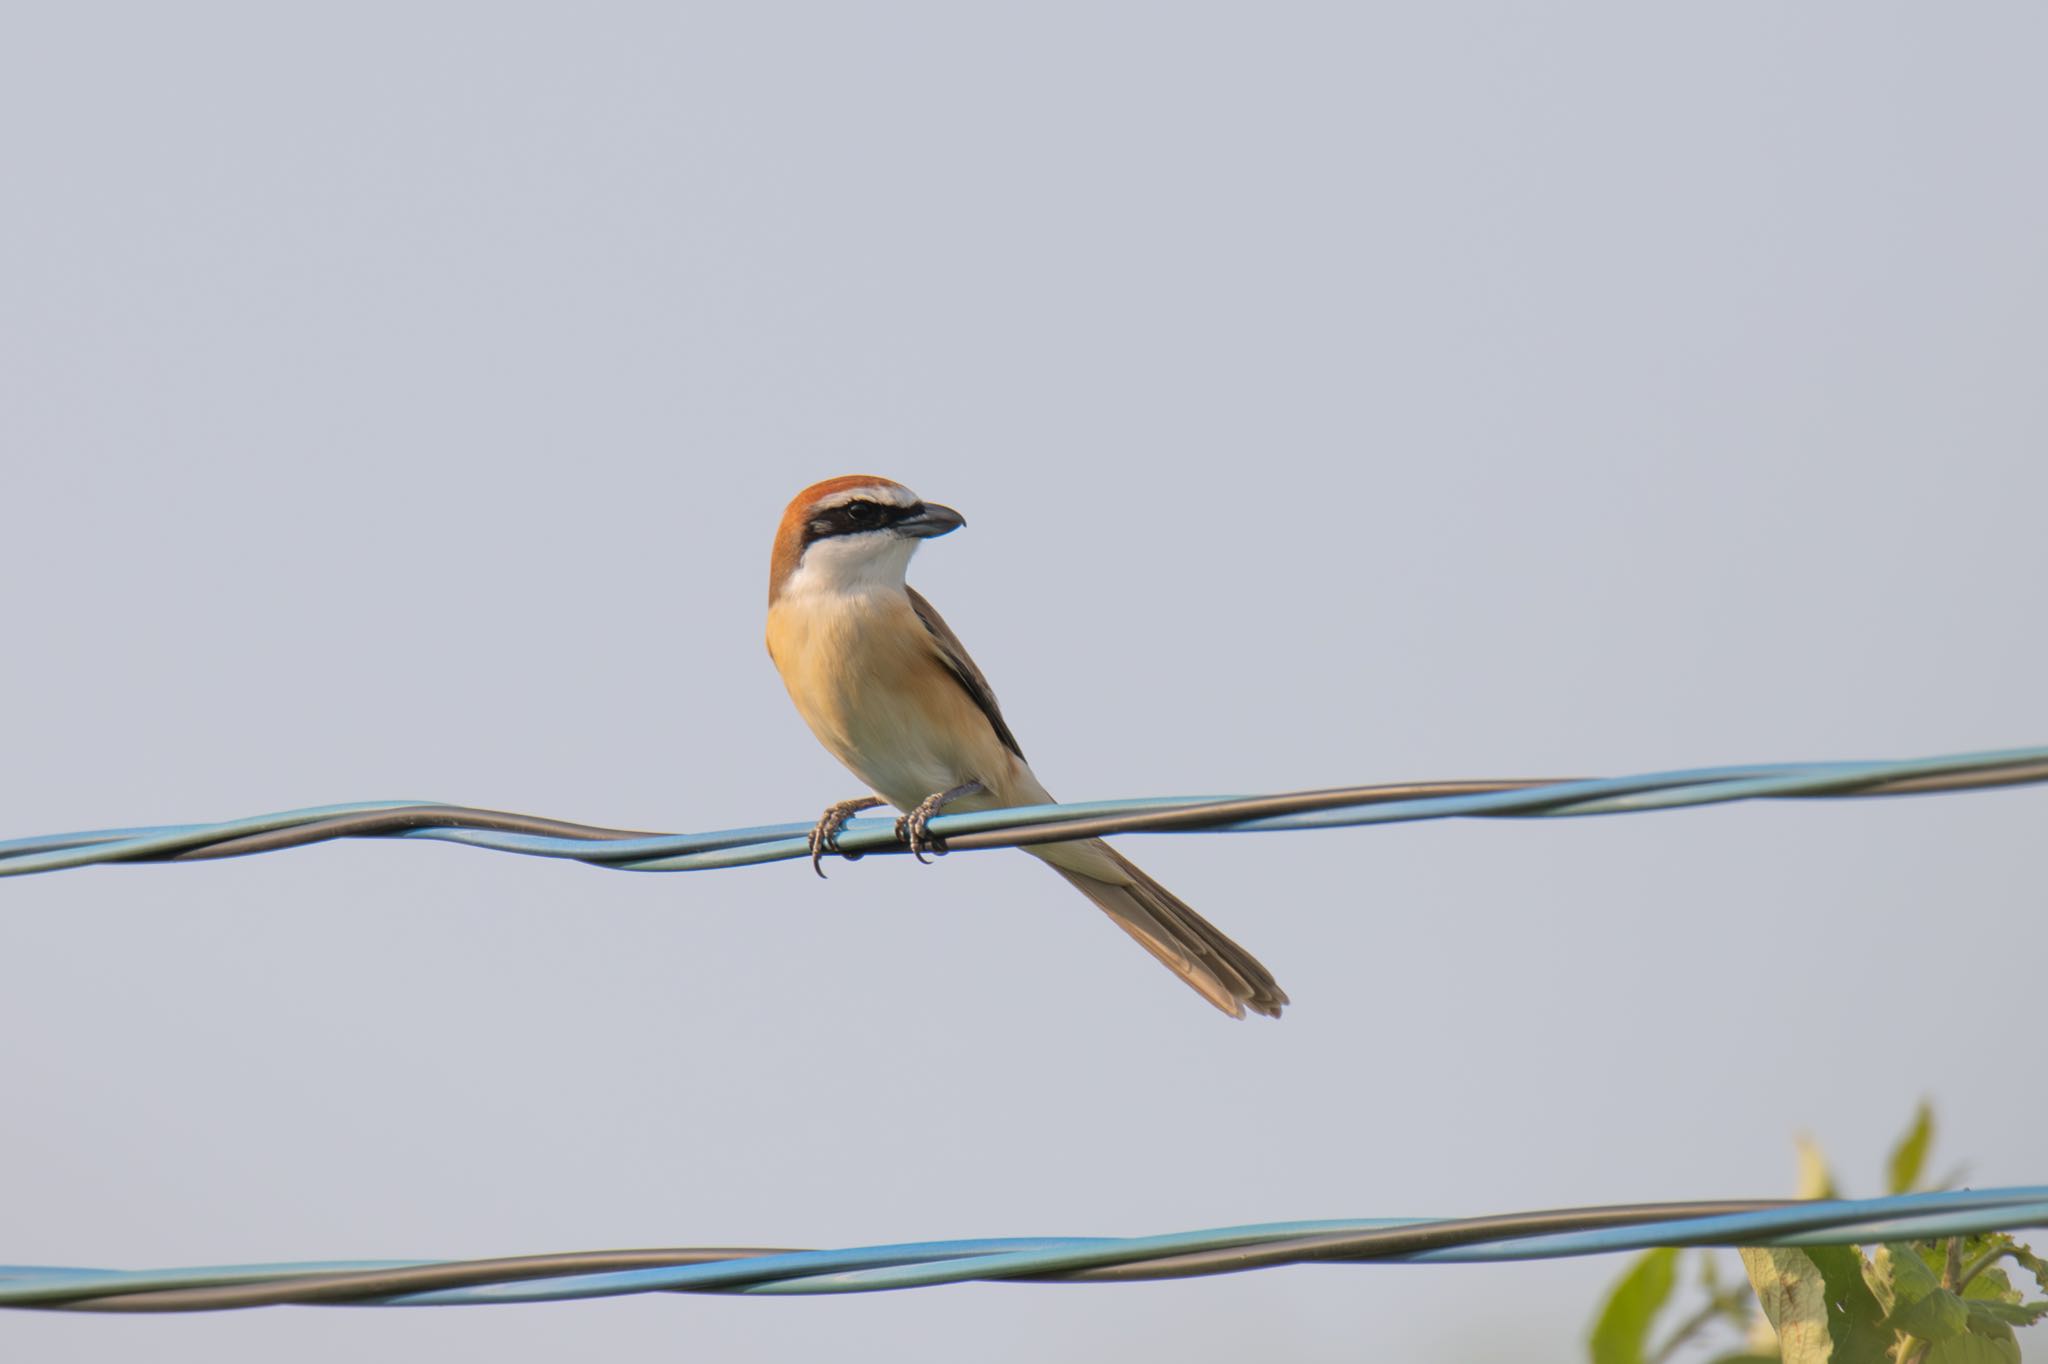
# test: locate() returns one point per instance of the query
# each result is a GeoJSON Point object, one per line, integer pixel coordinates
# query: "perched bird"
{"type": "Point", "coordinates": [890, 690]}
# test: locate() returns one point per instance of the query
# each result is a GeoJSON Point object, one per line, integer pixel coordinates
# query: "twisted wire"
{"type": "Point", "coordinates": [862, 1269]}
{"type": "Point", "coordinates": [639, 850]}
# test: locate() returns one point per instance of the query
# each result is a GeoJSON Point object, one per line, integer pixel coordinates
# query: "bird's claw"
{"type": "Point", "coordinates": [825, 833]}
{"type": "Point", "coordinates": [913, 829]}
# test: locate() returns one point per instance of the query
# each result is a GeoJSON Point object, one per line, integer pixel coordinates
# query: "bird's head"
{"type": "Point", "coordinates": [853, 533]}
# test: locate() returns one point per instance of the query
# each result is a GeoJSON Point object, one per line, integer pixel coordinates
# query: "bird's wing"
{"type": "Point", "coordinates": [954, 655]}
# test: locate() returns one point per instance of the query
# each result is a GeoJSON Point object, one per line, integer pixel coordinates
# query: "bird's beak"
{"type": "Point", "coordinates": [933, 520]}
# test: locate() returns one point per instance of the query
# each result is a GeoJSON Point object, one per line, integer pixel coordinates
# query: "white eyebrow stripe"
{"type": "Point", "coordinates": [894, 497]}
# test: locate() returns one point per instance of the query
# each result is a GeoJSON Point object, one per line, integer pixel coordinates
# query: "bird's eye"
{"type": "Point", "coordinates": [863, 513]}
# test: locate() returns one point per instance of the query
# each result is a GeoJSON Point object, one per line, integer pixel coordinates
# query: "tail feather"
{"type": "Point", "coordinates": [1193, 948]}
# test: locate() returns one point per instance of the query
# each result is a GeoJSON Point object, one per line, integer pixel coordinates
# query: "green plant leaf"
{"type": "Point", "coordinates": [1855, 1321]}
{"type": "Point", "coordinates": [1990, 1285]}
{"type": "Point", "coordinates": [1818, 1302]}
{"type": "Point", "coordinates": [1909, 1275]}
{"type": "Point", "coordinates": [1794, 1296]}
{"type": "Point", "coordinates": [1982, 1314]}
{"type": "Point", "coordinates": [1909, 1157]}
{"type": "Point", "coordinates": [1971, 1348]}
{"type": "Point", "coordinates": [1936, 1317]}
{"type": "Point", "coordinates": [1621, 1333]}
{"type": "Point", "coordinates": [1920, 1306]}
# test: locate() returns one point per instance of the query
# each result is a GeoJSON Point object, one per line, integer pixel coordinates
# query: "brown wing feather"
{"type": "Point", "coordinates": [1191, 947]}
{"type": "Point", "coordinates": [954, 654]}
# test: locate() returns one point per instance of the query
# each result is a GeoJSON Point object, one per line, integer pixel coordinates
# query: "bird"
{"type": "Point", "coordinates": [890, 691]}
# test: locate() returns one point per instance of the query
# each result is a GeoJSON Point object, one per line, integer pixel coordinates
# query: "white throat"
{"type": "Point", "coordinates": [852, 565]}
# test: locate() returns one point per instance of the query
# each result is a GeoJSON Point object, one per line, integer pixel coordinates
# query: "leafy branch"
{"type": "Point", "coordinates": [1945, 1301]}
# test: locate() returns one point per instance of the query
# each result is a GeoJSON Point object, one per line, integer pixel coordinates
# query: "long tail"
{"type": "Point", "coordinates": [1193, 948]}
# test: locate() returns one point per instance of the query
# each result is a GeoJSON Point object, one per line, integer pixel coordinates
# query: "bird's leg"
{"type": "Point", "coordinates": [911, 827]}
{"type": "Point", "coordinates": [825, 833]}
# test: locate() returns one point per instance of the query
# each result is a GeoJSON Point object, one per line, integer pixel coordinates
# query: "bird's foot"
{"type": "Point", "coordinates": [825, 833]}
{"type": "Point", "coordinates": [912, 828]}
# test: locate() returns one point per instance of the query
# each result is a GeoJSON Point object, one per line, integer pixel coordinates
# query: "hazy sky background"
{"type": "Point", "coordinates": [397, 401]}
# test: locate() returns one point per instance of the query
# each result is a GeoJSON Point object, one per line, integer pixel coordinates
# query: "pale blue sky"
{"type": "Point", "coordinates": [399, 401]}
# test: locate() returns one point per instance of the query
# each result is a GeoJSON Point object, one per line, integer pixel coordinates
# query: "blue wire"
{"type": "Point", "coordinates": [780, 842]}
{"type": "Point", "coordinates": [1598, 796]}
{"type": "Point", "coordinates": [916, 1264]}
{"type": "Point", "coordinates": [59, 852]}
